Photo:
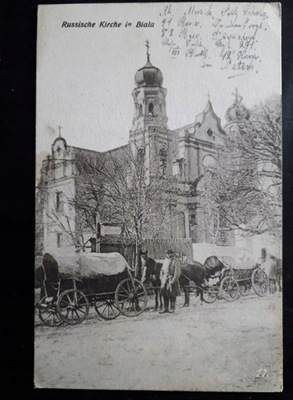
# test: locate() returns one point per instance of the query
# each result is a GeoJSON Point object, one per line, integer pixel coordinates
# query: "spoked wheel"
{"type": "Point", "coordinates": [259, 282]}
{"type": "Point", "coordinates": [48, 313]}
{"type": "Point", "coordinates": [229, 289]}
{"type": "Point", "coordinates": [131, 297]}
{"type": "Point", "coordinates": [107, 309]}
{"type": "Point", "coordinates": [244, 289]}
{"type": "Point", "coordinates": [73, 306]}
{"type": "Point", "coordinates": [209, 295]}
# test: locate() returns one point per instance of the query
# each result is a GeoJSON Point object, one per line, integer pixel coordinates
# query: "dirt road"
{"type": "Point", "coordinates": [211, 347]}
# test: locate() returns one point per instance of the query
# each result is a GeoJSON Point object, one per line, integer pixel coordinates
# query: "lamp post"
{"type": "Point", "coordinates": [98, 232]}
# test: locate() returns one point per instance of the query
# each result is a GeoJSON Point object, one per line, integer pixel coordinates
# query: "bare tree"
{"type": "Point", "coordinates": [120, 187]}
{"type": "Point", "coordinates": [247, 185]}
{"type": "Point", "coordinates": [127, 192]}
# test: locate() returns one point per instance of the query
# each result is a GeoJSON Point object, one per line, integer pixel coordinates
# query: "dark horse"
{"type": "Point", "coordinates": [273, 269]}
{"type": "Point", "coordinates": [195, 272]}
{"type": "Point", "coordinates": [198, 274]}
{"type": "Point", "coordinates": [151, 277]}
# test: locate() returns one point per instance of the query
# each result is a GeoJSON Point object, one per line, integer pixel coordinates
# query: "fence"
{"type": "Point", "coordinates": [157, 248]}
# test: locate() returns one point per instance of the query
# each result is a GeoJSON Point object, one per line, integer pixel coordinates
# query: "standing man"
{"type": "Point", "coordinates": [169, 276]}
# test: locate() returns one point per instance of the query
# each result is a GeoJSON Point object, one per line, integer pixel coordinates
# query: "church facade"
{"type": "Point", "coordinates": [183, 156]}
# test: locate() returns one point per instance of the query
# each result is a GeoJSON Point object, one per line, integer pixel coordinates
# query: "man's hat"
{"type": "Point", "coordinates": [170, 252]}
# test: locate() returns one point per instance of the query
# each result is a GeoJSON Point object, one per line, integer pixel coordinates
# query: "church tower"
{"type": "Point", "coordinates": [237, 116]}
{"type": "Point", "coordinates": [149, 136]}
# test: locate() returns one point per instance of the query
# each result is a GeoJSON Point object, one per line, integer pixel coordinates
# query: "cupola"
{"type": "Point", "coordinates": [237, 112]}
{"type": "Point", "coordinates": [148, 75]}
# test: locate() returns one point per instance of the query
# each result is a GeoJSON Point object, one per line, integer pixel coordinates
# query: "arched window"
{"type": "Point", "coordinates": [180, 225]}
{"type": "Point", "coordinates": [263, 254]}
{"type": "Point", "coordinates": [163, 161]}
{"type": "Point", "coordinates": [181, 168]}
{"type": "Point", "coordinates": [151, 108]}
{"type": "Point", "coordinates": [209, 162]}
{"type": "Point", "coordinates": [140, 109]}
{"type": "Point", "coordinates": [140, 155]}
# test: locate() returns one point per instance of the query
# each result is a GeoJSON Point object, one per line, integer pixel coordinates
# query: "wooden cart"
{"type": "Point", "coordinates": [104, 281]}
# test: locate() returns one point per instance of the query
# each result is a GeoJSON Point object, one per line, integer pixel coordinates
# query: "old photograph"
{"type": "Point", "coordinates": [158, 218]}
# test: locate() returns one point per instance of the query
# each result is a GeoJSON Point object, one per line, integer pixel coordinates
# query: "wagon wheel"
{"type": "Point", "coordinates": [229, 289]}
{"type": "Point", "coordinates": [243, 289]}
{"type": "Point", "coordinates": [107, 309]}
{"type": "Point", "coordinates": [48, 312]}
{"type": "Point", "coordinates": [259, 282]}
{"type": "Point", "coordinates": [73, 306]}
{"type": "Point", "coordinates": [131, 297]}
{"type": "Point", "coordinates": [209, 295]}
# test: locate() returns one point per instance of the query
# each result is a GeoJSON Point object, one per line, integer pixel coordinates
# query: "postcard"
{"type": "Point", "coordinates": [158, 235]}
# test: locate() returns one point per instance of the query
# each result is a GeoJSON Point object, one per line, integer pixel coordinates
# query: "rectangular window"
{"type": "Point", "coordinates": [59, 239]}
{"type": "Point", "coordinates": [180, 163]}
{"type": "Point", "coordinates": [59, 202]}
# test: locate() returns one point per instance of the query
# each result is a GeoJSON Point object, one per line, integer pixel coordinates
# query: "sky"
{"type": "Point", "coordinates": [85, 76]}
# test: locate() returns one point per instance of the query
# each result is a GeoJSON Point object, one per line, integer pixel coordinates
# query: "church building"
{"type": "Point", "coordinates": [183, 156]}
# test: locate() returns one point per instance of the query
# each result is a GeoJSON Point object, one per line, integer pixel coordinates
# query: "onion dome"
{"type": "Point", "coordinates": [148, 75]}
{"type": "Point", "coordinates": [237, 112]}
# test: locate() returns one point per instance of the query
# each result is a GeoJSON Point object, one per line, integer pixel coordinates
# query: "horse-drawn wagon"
{"type": "Point", "coordinates": [241, 273]}
{"type": "Point", "coordinates": [235, 282]}
{"type": "Point", "coordinates": [238, 281]}
{"type": "Point", "coordinates": [70, 284]}
{"type": "Point", "coordinates": [226, 282]}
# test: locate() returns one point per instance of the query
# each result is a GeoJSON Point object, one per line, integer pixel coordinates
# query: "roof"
{"type": "Point", "coordinates": [207, 117]}
{"type": "Point", "coordinates": [148, 75]}
{"type": "Point", "coordinates": [115, 151]}
{"type": "Point", "coordinates": [208, 109]}
{"type": "Point", "coordinates": [84, 157]}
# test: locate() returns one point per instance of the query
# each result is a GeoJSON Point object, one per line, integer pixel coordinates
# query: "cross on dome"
{"type": "Point", "coordinates": [237, 112]}
{"type": "Point", "coordinates": [148, 75]}
{"type": "Point", "coordinates": [238, 98]}
{"type": "Point", "coordinates": [147, 44]}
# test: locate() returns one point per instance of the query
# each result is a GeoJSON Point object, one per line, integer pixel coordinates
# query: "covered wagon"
{"type": "Point", "coordinates": [74, 282]}
{"type": "Point", "coordinates": [240, 275]}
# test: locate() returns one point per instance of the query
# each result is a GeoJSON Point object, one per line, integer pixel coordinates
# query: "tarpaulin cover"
{"type": "Point", "coordinates": [235, 257]}
{"type": "Point", "coordinates": [90, 265]}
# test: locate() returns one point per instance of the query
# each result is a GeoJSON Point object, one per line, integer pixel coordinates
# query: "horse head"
{"type": "Point", "coordinates": [150, 270]}
{"type": "Point", "coordinates": [213, 265]}
{"type": "Point", "coordinates": [147, 266]}
{"type": "Point", "coordinates": [272, 266]}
